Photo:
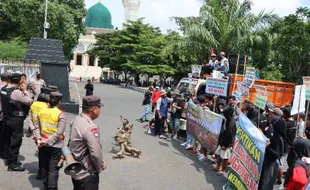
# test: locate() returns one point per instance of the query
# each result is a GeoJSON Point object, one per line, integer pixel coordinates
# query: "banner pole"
{"type": "Point", "coordinates": [244, 65]}
{"type": "Point", "coordinates": [214, 104]}
{"type": "Point", "coordinates": [236, 73]}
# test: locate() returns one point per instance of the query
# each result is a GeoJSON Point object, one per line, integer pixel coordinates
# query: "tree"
{"type": "Point", "coordinates": [137, 49]}
{"type": "Point", "coordinates": [65, 18]}
{"type": "Point", "coordinates": [292, 45]}
{"type": "Point", "coordinates": [12, 50]}
{"type": "Point", "coordinates": [225, 25]}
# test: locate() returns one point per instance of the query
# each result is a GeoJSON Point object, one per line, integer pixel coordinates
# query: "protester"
{"type": "Point", "coordinates": [161, 114]}
{"type": "Point", "coordinates": [176, 108]}
{"type": "Point", "coordinates": [226, 140]}
{"type": "Point", "coordinates": [298, 173]}
{"type": "Point", "coordinates": [220, 106]}
{"type": "Point", "coordinates": [274, 151]}
{"type": "Point", "coordinates": [146, 104]}
{"type": "Point", "coordinates": [301, 124]}
{"type": "Point", "coordinates": [155, 97]}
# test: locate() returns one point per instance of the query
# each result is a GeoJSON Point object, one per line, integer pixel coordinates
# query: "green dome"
{"type": "Point", "coordinates": [99, 16]}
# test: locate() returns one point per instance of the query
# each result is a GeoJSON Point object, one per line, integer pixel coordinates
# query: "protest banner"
{"type": "Point", "coordinates": [306, 81]}
{"type": "Point", "coordinates": [247, 156]}
{"type": "Point", "coordinates": [261, 96]}
{"type": "Point", "coordinates": [299, 103]}
{"type": "Point", "coordinates": [196, 70]}
{"type": "Point", "coordinates": [204, 125]}
{"type": "Point", "coordinates": [216, 86]}
{"type": "Point", "coordinates": [249, 77]}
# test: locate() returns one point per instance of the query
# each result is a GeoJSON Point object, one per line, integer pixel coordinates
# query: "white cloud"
{"type": "Point", "coordinates": [158, 12]}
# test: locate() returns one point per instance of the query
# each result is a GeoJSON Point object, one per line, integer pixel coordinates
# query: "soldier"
{"type": "Point", "coordinates": [15, 102]}
{"type": "Point", "coordinates": [4, 83]}
{"type": "Point", "coordinates": [49, 133]}
{"type": "Point", "coordinates": [85, 145]}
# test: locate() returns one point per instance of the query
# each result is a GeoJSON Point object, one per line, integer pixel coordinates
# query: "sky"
{"type": "Point", "coordinates": [159, 12]}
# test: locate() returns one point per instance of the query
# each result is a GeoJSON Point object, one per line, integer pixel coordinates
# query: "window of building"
{"type": "Point", "coordinates": [91, 60]}
{"type": "Point", "coordinates": [79, 59]}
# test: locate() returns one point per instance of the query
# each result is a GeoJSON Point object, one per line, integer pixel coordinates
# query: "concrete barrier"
{"type": "Point", "coordinates": [135, 88]}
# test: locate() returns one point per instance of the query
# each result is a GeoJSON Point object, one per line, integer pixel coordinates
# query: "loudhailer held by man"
{"type": "Point", "coordinates": [84, 143]}
{"type": "Point", "coordinates": [4, 82]}
{"type": "Point", "coordinates": [49, 133]}
{"type": "Point", "coordinates": [15, 101]}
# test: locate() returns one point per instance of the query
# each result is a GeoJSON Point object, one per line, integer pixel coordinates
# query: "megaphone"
{"type": "Point", "coordinates": [73, 166]}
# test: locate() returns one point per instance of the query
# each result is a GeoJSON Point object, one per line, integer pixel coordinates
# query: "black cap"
{"type": "Point", "coordinates": [46, 90]}
{"type": "Point", "coordinates": [56, 95]}
{"type": "Point", "coordinates": [53, 88]}
{"type": "Point", "coordinates": [15, 78]}
{"type": "Point", "coordinates": [89, 101]}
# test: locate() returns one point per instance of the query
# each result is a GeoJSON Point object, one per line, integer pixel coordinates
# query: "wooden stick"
{"type": "Point", "coordinates": [244, 65]}
{"type": "Point", "coordinates": [236, 73]}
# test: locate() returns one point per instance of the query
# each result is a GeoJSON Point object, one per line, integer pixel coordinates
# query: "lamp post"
{"type": "Point", "coordinates": [46, 25]}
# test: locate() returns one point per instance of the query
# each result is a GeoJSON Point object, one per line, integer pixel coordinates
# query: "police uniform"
{"type": "Point", "coordinates": [85, 145]}
{"type": "Point", "coordinates": [39, 83]}
{"type": "Point", "coordinates": [15, 105]}
{"type": "Point", "coordinates": [4, 82]}
{"type": "Point", "coordinates": [50, 128]}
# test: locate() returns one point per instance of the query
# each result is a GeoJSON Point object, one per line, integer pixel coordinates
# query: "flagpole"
{"type": "Point", "coordinates": [236, 73]}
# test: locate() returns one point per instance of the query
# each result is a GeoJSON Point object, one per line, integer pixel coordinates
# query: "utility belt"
{"type": "Point", "coordinates": [14, 114]}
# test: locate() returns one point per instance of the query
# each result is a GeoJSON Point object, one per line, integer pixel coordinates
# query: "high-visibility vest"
{"type": "Point", "coordinates": [35, 108]}
{"type": "Point", "coordinates": [49, 122]}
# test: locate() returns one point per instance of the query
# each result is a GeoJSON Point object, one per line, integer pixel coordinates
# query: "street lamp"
{"type": "Point", "coordinates": [46, 25]}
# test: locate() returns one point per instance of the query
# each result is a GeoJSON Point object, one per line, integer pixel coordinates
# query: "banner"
{"type": "Point", "coordinates": [216, 86]}
{"type": "Point", "coordinates": [307, 83]}
{"type": "Point", "coordinates": [299, 103]}
{"type": "Point", "coordinates": [204, 125]}
{"type": "Point", "coordinates": [196, 70]}
{"type": "Point", "coordinates": [261, 96]}
{"type": "Point", "coordinates": [247, 156]}
{"type": "Point", "coordinates": [249, 77]}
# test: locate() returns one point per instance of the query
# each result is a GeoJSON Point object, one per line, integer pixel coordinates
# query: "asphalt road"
{"type": "Point", "coordinates": [163, 165]}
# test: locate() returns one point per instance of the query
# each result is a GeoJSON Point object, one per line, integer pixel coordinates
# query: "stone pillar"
{"type": "Point", "coordinates": [96, 62]}
{"type": "Point", "coordinates": [75, 58]}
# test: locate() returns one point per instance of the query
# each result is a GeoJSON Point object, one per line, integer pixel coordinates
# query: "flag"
{"type": "Point", "coordinates": [212, 51]}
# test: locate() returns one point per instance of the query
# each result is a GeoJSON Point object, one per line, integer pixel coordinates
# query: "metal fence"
{"type": "Point", "coordinates": [28, 69]}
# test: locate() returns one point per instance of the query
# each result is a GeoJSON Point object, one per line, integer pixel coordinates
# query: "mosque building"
{"type": "Point", "coordinates": [98, 21]}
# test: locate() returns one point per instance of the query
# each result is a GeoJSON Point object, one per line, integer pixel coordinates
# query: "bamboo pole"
{"type": "Point", "coordinates": [244, 65]}
{"type": "Point", "coordinates": [236, 73]}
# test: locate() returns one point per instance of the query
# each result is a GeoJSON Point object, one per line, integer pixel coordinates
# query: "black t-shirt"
{"type": "Point", "coordinates": [89, 89]}
{"type": "Point", "coordinates": [176, 113]}
{"type": "Point", "coordinates": [147, 98]}
{"type": "Point", "coordinates": [291, 131]}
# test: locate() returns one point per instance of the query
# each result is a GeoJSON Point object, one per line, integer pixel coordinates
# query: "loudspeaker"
{"type": "Point", "coordinates": [73, 166]}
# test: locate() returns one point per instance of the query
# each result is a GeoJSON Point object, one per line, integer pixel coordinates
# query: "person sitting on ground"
{"type": "Point", "coordinates": [226, 140]}
{"type": "Point", "coordinates": [297, 175]}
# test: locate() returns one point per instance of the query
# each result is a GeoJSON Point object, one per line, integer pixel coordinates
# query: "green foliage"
{"type": "Point", "coordinates": [65, 18]}
{"type": "Point", "coordinates": [13, 50]}
{"type": "Point", "coordinates": [136, 49]}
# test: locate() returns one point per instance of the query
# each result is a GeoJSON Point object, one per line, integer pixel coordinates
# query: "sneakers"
{"type": "Point", "coordinates": [149, 131]}
{"type": "Point", "coordinates": [162, 137]}
{"type": "Point", "coordinates": [184, 144]}
{"type": "Point", "coordinates": [175, 137]}
{"type": "Point", "coordinates": [189, 147]}
{"type": "Point", "coordinates": [202, 158]}
{"type": "Point", "coordinates": [16, 168]}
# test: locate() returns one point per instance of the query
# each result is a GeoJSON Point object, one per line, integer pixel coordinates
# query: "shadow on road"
{"type": "Point", "coordinates": [32, 169]}
{"type": "Point", "coordinates": [210, 175]}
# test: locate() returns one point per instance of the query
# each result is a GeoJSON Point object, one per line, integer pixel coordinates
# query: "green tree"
{"type": "Point", "coordinates": [65, 18]}
{"type": "Point", "coordinates": [13, 50]}
{"type": "Point", "coordinates": [291, 45]}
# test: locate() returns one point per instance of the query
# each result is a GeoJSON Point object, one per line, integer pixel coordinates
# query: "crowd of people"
{"type": "Point", "coordinates": [21, 99]}
{"type": "Point", "coordinates": [287, 134]}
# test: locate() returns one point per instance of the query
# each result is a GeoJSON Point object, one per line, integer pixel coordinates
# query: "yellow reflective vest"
{"type": "Point", "coordinates": [35, 108]}
{"type": "Point", "coordinates": [49, 122]}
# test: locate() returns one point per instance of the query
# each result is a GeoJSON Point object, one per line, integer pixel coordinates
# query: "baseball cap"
{"type": "Point", "coordinates": [213, 55]}
{"type": "Point", "coordinates": [163, 92]}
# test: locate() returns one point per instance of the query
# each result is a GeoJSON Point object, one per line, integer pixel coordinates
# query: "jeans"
{"type": "Point", "coordinates": [159, 126]}
{"type": "Point", "coordinates": [90, 182]}
{"type": "Point", "coordinates": [174, 124]}
{"type": "Point", "coordinates": [146, 112]}
{"type": "Point", "coordinates": [189, 139]}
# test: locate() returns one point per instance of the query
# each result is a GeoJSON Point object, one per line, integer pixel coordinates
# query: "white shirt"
{"type": "Point", "coordinates": [212, 63]}
{"type": "Point", "coordinates": [225, 63]}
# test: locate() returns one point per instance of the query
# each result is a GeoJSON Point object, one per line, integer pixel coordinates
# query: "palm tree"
{"type": "Point", "coordinates": [225, 25]}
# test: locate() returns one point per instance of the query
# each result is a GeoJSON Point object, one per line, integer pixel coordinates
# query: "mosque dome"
{"type": "Point", "coordinates": [98, 16]}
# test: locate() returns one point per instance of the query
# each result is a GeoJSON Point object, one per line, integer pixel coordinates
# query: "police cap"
{"type": "Point", "coordinates": [15, 78]}
{"type": "Point", "coordinates": [53, 88]}
{"type": "Point", "coordinates": [46, 90]}
{"type": "Point", "coordinates": [57, 95]}
{"type": "Point", "coordinates": [5, 76]}
{"type": "Point", "coordinates": [89, 101]}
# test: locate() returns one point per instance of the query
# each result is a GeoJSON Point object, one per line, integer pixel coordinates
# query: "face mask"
{"type": "Point", "coordinates": [221, 110]}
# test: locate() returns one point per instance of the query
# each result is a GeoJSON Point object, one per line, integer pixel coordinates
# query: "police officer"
{"type": "Point", "coordinates": [4, 82]}
{"type": "Point", "coordinates": [39, 83]}
{"type": "Point", "coordinates": [49, 132]}
{"type": "Point", "coordinates": [84, 143]}
{"type": "Point", "coordinates": [15, 102]}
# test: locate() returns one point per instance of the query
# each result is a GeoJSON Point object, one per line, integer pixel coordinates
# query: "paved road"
{"type": "Point", "coordinates": [163, 165]}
